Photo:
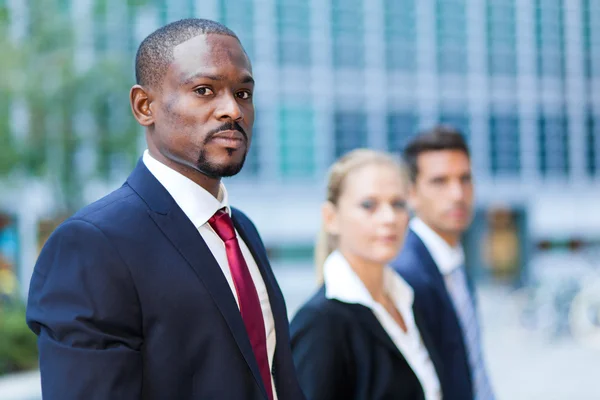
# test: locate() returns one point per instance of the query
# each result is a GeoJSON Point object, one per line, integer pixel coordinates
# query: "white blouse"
{"type": "Point", "coordinates": [342, 284]}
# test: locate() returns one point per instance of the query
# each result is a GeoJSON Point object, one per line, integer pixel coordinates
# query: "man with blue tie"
{"type": "Point", "coordinates": [161, 290]}
{"type": "Point", "coordinates": [432, 260]}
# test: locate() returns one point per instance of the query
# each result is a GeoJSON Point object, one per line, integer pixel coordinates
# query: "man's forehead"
{"type": "Point", "coordinates": [209, 50]}
{"type": "Point", "coordinates": [443, 161]}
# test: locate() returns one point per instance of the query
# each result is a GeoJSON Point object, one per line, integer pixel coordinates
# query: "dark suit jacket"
{"type": "Point", "coordinates": [129, 303]}
{"type": "Point", "coordinates": [342, 352]}
{"type": "Point", "coordinates": [417, 267]}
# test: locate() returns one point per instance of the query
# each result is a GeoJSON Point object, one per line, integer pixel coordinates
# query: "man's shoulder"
{"type": "Point", "coordinates": [413, 263]}
{"type": "Point", "coordinates": [239, 215]}
{"type": "Point", "coordinates": [242, 219]}
{"type": "Point", "coordinates": [410, 258]}
{"type": "Point", "coordinates": [122, 202]}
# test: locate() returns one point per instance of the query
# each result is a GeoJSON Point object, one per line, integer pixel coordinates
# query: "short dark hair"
{"type": "Point", "coordinates": [438, 138]}
{"type": "Point", "coordinates": [156, 51]}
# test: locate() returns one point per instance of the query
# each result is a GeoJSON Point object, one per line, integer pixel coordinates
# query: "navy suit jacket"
{"type": "Point", "coordinates": [418, 268]}
{"type": "Point", "coordinates": [128, 302]}
{"type": "Point", "coordinates": [342, 352]}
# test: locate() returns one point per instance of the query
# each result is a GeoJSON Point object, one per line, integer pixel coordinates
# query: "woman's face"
{"type": "Point", "coordinates": [370, 218]}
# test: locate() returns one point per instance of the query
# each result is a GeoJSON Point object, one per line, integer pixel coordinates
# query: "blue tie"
{"type": "Point", "coordinates": [456, 284]}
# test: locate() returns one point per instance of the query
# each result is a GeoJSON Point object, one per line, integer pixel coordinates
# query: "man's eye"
{"type": "Point", "coordinates": [244, 94]}
{"type": "Point", "coordinates": [203, 91]}
{"type": "Point", "coordinates": [399, 205]}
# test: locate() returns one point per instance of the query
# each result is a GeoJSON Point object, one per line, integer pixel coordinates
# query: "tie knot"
{"type": "Point", "coordinates": [222, 225]}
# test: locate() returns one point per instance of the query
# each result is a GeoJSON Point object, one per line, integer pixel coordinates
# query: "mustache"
{"type": "Point", "coordinates": [229, 126]}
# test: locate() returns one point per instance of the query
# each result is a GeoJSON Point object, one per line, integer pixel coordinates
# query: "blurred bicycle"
{"type": "Point", "coordinates": [584, 314]}
{"type": "Point", "coordinates": [562, 296]}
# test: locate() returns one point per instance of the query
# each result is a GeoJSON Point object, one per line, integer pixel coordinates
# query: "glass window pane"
{"type": "Point", "coordinates": [502, 58]}
{"type": "Point", "coordinates": [587, 36]}
{"type": "Point", "coordinates": [350, 131]}
{"type": "Point", "coordinates": [550, 37]}
{"type": "Point", "coordinates": [505, 147]}
{"type": "Point", "coordinates": [348, 33]}
{"type": "Point", "coordinates": [297, 141]}
{"type": "Point", "coordinates": [457, 121]}
{"type": "Point", "coordinates": [553, 140]}
{"type": "Point", "coordinates": [238, 15]}
{"type": "Point", "coordinates": [451, 36]}
{"type": "Point", "coordinates": [401, 127]}
{"type": "Point", "coordinates": [592, 145]}
{"type": "Point", "coordinates": [293, 23]}
{"type": "Point", "coordinates": [591, 36]}
{"type": "Point", "coordinates": [400, 32]}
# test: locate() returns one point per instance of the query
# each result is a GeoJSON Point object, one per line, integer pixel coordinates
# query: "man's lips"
{"type": "Point", "coordinates": [229, 135]}
{"type": "Point", "coordinates": [457, 213]}
{"type": "Point", "coordinates": [229, 138]}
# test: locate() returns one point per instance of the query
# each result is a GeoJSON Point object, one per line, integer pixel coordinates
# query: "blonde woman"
{"type": "Point", "coordinates": [358, 337]}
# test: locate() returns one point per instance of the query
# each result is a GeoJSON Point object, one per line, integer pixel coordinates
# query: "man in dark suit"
{"type": "Point", "coordinates": [160, 290]}
{"type": "Point", "coordinates": [432, 260]}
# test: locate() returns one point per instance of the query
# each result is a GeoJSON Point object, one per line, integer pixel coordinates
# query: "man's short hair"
{"type": "Point", "coordinates": [438, 138]}
{"type": "Point", "coordinates": [155, 53]}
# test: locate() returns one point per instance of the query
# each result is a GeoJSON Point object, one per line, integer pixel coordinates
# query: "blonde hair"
{"type": "Point", "coordinates": [337, 176]}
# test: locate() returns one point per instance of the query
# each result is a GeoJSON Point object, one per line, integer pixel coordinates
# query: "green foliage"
{"type": "Point", "coordinates": [41, 73]}
{"type": "Point", "coordinates": [18, 345]}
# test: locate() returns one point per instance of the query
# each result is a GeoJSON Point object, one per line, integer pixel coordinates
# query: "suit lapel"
{"type": "Point", "coordinates": [433, 273]}
{"type": "Point", "coordinates": [184, 236]}
{"type": "Point", "coordinates": [450, 319]}
{"type": "Point", "coordinates": [371, 324]}
{"type": "Point", "coordinates": [431, 268]}
{"type": "Point", "coordinates": [428, 341]}
{"type": "Point", "coordinates": [256, 249]}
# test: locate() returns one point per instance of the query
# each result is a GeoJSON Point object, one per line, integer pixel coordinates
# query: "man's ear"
{"type": "Point", "coordinates": [412, 196]}
{"type": "Point", "coordinates": [140, 100]}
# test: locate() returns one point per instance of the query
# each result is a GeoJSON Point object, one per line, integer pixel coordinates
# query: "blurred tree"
{"type": "Point", "coordinates": [69, 103]}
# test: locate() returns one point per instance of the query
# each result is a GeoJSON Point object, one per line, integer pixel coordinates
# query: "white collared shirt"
{"type": "Point", "coordinates": [343, 284]}
{"type": "Point", "coordinates": [446, 257]}
{"type": "Point", "coordinates": [199, 206]}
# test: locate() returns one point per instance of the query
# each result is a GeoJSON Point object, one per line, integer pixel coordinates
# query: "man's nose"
{"type": "Point", "coordinates": [229, 108]}
{"type": "Point", "coordinates": [457, 191]}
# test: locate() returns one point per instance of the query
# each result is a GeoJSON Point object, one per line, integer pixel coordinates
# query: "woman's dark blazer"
{"type": "Point", "coordinates": [341, 351]}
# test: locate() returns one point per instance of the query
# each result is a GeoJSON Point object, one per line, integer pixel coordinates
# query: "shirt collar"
{"type": "Point", "coordinates": [343, 284]}
{"type": "Point", "coordinates": [446, 257]}
{"type": "Point", "coordinates": [197, 203]}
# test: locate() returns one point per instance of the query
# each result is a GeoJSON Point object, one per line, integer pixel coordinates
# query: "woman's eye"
{"type": "Point", "coordinates": [244, 94]}
{"type": "Point", "coordinates": [367, 205]}
{"type": "Point", "coordinates": [203, 91]}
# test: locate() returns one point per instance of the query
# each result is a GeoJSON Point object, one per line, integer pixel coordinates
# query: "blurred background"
{"type": "Point", "coordinates": [520, 78]}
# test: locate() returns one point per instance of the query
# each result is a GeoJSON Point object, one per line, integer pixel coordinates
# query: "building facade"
{"type": "Point", "coordinates": [521, 79]}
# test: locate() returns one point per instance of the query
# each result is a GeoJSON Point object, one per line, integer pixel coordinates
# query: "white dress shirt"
{"type": "Point", "coordinates": [199, 206]}
{"type": "Point", "coordinates": [342, 284]}
{"type": "Point", "coordinates": [448, 260]}
{"type": "Point", "coordinates": [446, 257]}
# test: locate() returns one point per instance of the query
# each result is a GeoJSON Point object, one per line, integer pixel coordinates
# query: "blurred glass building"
{"type": "Point", "coordinates": [521, 79]}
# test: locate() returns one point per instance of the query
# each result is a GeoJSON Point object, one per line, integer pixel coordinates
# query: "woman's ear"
{"type": "Point", "coordinates": [330, 218]}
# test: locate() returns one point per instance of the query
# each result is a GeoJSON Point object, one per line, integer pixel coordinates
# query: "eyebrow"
{"type": "Point", "coordinates": [245, 78]}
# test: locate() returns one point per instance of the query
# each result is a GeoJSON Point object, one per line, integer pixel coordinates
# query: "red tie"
{"type": "Point", "coordinates": [247, 295]}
